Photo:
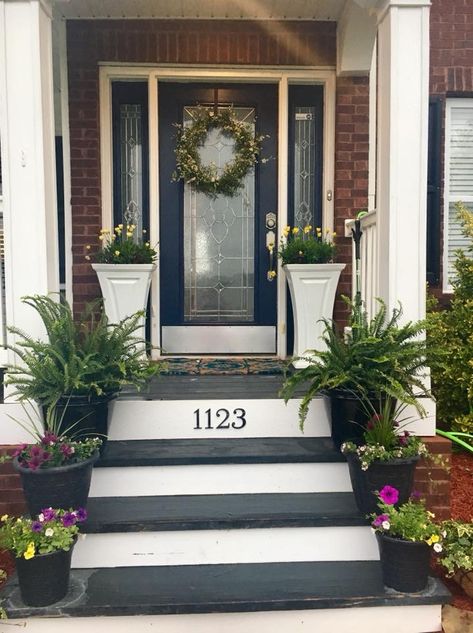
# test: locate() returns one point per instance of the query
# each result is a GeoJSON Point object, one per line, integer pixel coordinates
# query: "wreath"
{"type": "Point", "coordinates": [210, 179]}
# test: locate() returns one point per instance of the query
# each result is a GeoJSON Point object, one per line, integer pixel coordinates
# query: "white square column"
{"type": "Point", "coordinates": [402, 142]}
{"type": "Point", "coordinates": [28, 156]}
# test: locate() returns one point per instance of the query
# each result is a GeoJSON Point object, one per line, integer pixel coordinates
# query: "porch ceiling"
{"type": "Point", "coordinates": [201, 9]}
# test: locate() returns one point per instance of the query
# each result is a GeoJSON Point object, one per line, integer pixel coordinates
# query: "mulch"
{"type": "Point", "coordinates": [462, 510]}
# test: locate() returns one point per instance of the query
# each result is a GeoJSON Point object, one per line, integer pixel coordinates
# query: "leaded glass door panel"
{"type": "Point", "coordinates": [215, 292]}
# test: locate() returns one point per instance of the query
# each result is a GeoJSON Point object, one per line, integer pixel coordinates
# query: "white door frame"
{"type": "Point", "coordinates": [281, 76]}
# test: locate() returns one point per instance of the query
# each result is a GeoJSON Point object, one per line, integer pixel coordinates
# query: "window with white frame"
{"type": "Point", "coordinates": [458, 178]}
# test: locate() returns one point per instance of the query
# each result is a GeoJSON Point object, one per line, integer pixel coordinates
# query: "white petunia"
{"type": "Point", "coordinates": [49, 532]}
{"type": "Point", "coordinates": [41, 517]}
{"type": "Point", "coordinates": [385, 525]}
{"type": "Point", "coordinates": [437, 548]}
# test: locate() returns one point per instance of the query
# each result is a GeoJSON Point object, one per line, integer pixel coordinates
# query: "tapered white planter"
{"type": "Point", "coordinates": [312, 288]}
{"type": "Point", "coordinates": [125, 290]}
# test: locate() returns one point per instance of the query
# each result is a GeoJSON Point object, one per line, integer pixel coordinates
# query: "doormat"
{"type": "Point", "coordinates": [224, 366]}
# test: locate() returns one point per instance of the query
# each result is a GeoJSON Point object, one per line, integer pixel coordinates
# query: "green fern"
{"type": "Point", "coordinates": [377, 356]}
{"type": "Point", "coordinates": [86, 357]}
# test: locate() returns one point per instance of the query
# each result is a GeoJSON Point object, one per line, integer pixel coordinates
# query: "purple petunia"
{"type": "Point", "coordinates": [389, 495]}
{"type": "Point", "coordinates": [66, 450]}
{"type": "Point", "coordinates": [69, 519]}
{"type": "Point", "coordinates": [415, 495]}
{"type": "Point", "coordinates": [49, 514]}
{"type": "Point", "coordinates": [36, 526]}
{"type": "Point", "coordinates": [380, 520]}
{"type": "Point", "coordinates": [49, 438]}
{"type": "Point", "coordinates": [19, 450]}
{"type": "Point", "coordinates": [81, 514]}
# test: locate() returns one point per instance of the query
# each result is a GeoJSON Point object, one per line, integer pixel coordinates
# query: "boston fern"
{"type": "Point", "coordinates": [87, 357]}
{"type": "Point", "coordinates": [378, 355]}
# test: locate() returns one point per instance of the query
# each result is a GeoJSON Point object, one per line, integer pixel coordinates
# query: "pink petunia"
{"type": "Point", "coordinates": [389, 495]}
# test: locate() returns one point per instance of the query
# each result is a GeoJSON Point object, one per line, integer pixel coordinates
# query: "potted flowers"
{"type": "Point", "coordinates": [306, 257]}
{"type": "Point", "coordinates": [124, 266]}
{"type": "Point", "coordinates": [406, 535]}
{"type": "Point", "coordinates": [81, 364]}
{"type": "Point", "coordinates": [375, 356]}
{"type": "Point", "coordinates": [56, 469]}
{"type": "Point", "coordinates": [387, 455]}
{"type": "Point", "coordinates": [457, 553]}
{"type": "Point", "coordinates": [42, 549]}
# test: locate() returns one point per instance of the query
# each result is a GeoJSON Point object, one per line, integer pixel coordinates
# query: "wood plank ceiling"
{"type": "Point", "coordinates": [201, 9]}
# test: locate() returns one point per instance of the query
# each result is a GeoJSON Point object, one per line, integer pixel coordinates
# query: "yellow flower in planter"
{"type": "Point", "coordinates": [30, 551]}
{"type": "Point", "coordinates": [295, 230]}
{"type": "Point", "coordinates": [117, 253]}
{"type": "Point", "coordinates": [307, 229]}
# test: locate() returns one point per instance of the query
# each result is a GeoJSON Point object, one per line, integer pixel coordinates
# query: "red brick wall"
{"type": "Point", "coordinates": [11, 493]}
{"type": "Point", "coordinates": [351, 170]}
{"type": "Point", "coordinates": [451, 60]}
{"type": "Point", "coordinates": [158, 42]}
{"type": "Point", "coordinates": [432, 478]}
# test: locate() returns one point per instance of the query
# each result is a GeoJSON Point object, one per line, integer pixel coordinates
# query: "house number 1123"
{"type": "Point", "coordinates": [220, 419]}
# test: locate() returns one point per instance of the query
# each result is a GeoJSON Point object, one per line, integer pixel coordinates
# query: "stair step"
{"type": "Point", "coordinates": [267, 450]}
{"type": "Point", "coordinates": [221, 512]}
{"type": "Point", "coordinates": [192, 387]}
{"type": "Point", "coordinates": [224, 588]}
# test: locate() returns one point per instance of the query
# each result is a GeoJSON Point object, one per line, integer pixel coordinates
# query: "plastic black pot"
{"type": "Point", "coordinates": [91, 415]}
{"type": "Point", "coordinates": [44, 579]}
{"type": "Point", "coordinates": [398, 473]}
{"type": "Point", "coordinates": [405, 564]}
{"type": "Point", "coordinates": [59, 487]}
{"type": "Point", "coordinates": [349, 415]}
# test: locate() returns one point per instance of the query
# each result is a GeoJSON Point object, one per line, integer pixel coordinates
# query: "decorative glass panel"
{"type": "Point", "coordinates": [219, 240]}
{"type": "Point", "coordinates": [304, 166]}
{"type": "Point", "coordinates": [131, 171]}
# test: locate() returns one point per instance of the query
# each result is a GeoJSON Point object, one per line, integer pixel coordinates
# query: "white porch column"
{"type": "Point", "coordinates": [403, 77]}
{"type": "Point", "coordinates": [402, 143]}
{"type": "Point", "coordinates": [28, 156]}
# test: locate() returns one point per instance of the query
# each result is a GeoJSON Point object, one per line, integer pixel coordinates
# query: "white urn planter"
{"type": "Point", "coordinates": [312, 288]}
{"type": "Point", "coordinates": [125, 290]}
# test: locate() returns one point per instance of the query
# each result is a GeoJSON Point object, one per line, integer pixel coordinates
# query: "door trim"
{"type": "Point", "coordinates": [281, 76]}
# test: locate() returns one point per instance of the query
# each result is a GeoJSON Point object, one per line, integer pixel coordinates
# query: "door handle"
{"type": "Point", "coordinates": [270, 222]}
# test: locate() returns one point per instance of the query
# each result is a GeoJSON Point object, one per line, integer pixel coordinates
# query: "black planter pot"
{"type": "Point", "coordinates": [398, 473]}
{"type": "Point", "coordinates": [87, 417]}
{"type": "Point", "coordinates": [349, 415]}
{"type": "Point", "coordinates": [60, 487]}
{"type": "Point", "coordinates": [44, 579]}
{"type": "Point", "coordinates": [405, 564]}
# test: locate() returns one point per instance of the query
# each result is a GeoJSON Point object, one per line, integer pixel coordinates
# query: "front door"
{"type": "Point", "coordinates": [216, 294]}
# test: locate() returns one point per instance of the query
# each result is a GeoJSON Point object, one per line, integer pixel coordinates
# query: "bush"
{"type": "Point", "coordinates": [450, 342]}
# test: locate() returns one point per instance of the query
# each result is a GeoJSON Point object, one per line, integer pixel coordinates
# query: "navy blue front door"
{"type": "Point", "coordinates": [216, 296]}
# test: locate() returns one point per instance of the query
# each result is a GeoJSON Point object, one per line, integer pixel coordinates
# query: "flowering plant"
{"type": "Point", "coordinates": [51, 531]}
{"type": "Point", "coordinates": [306, 245]}
{"type": "Point", "coordinates": [410, 522]}
{"type": "Point", "coordinates": [53, 446]}
{"type": "Point", "coordinates": [457, 555]}
{"type": "Point", "coordinates": [123, 246]}
{"type": "Point", "coordinates": [384, 438]}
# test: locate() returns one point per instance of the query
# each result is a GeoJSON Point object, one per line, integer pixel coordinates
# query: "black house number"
{"type": "Point", "coordinates": [220, 419]}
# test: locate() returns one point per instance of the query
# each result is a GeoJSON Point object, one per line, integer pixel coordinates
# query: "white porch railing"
{"type": "Point", "coordinates": [368, 260]}
{"type": "Point", "coordinates": [3, 325]}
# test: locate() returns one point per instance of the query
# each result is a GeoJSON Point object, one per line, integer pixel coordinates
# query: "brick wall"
{"type": "Point", "coordinates": [351, 170]}
{"type": "Point", "coordinates": [11, 493]}
{"type": "Point", "coordinates": [161, 42]}
{"type": "Point", "coordinates": [432, 478]}
{"type": "Point", "coordinates": [451, 63]}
